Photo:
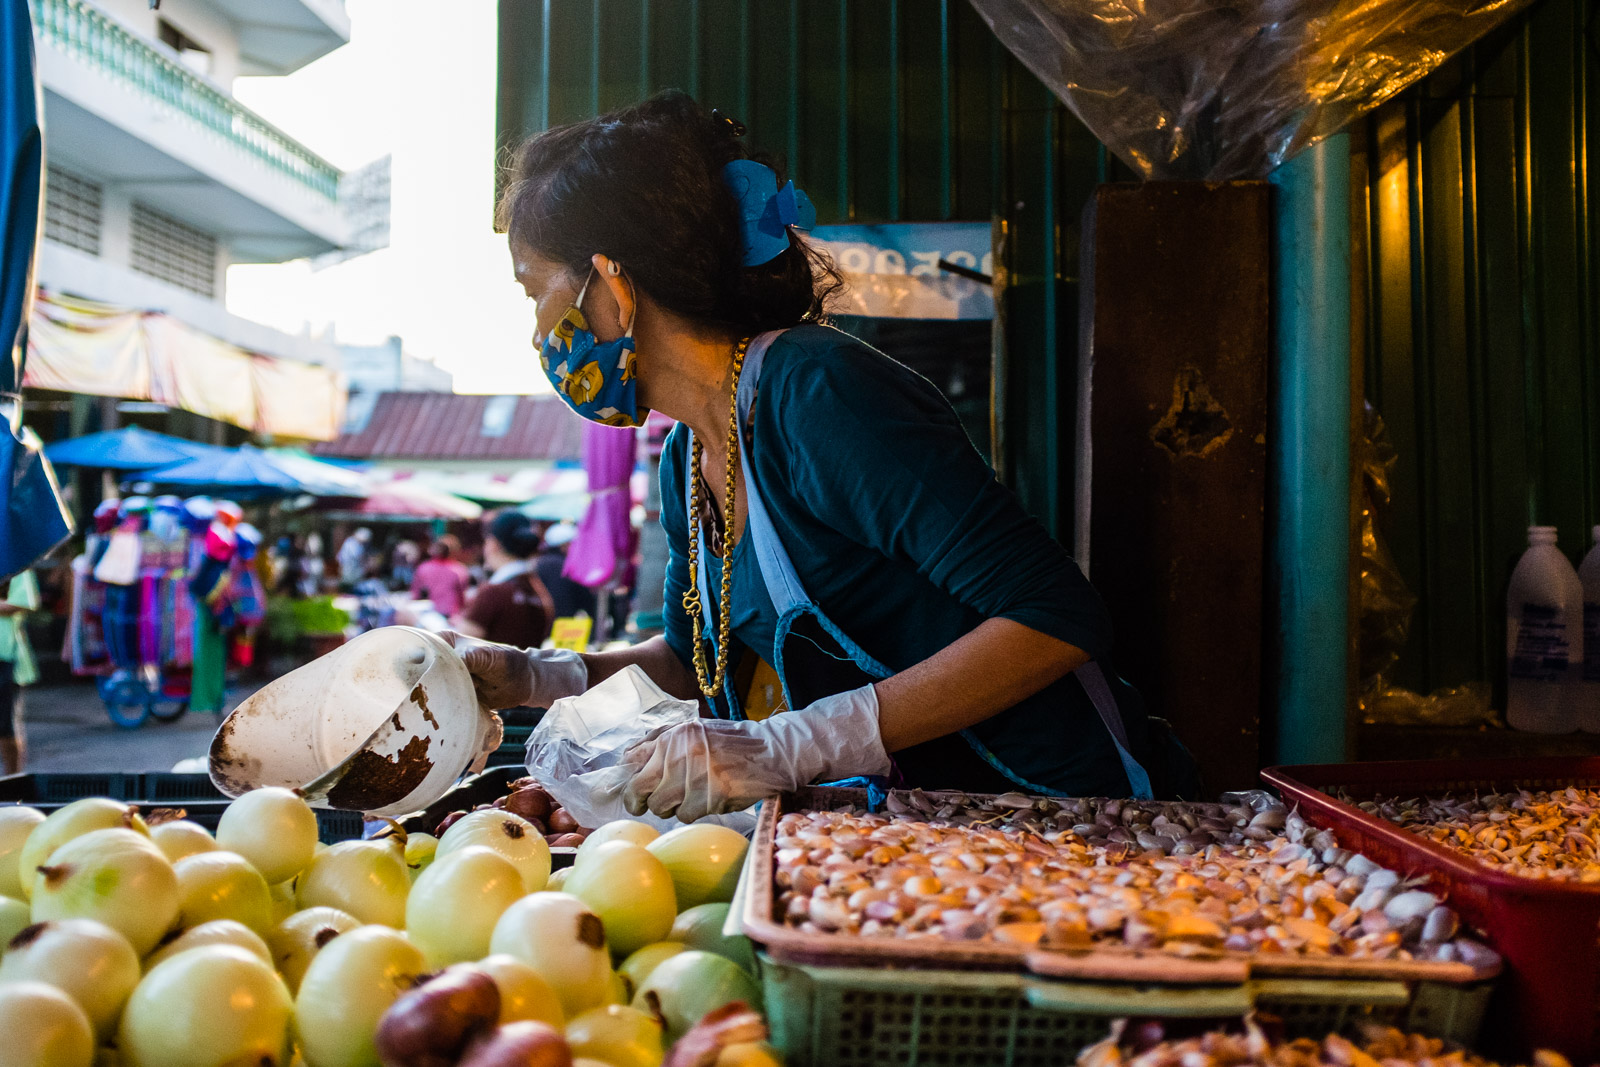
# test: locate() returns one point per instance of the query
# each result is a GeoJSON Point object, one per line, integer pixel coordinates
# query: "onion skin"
{"type": "Point", "coordinates": [447, 822]}
{"type": "Point", "coordinates": [531, 803]}
{"type": "Point", "coordinates": [523, 994]}
{"type": "Point", "coordinates": [566, 840]}
{"type": "Point", "coordinates": [728, 1026]}
{"type": "Point", "coordinates": [180, 837]}
{"type": "Point", "coordinates": [430, 1025]}
{"type": "Point", "coordinates": [705, 860]}
{"type": "Point", "coordinates": [87, 960]}
{"type": "Point", "coordinates": [561, 821]}
{"type": "Point", "coordinates": [43, 1027]}
{"type": "Point", "coordinates": [118, 877]}
{"type": "Point", "coordinates": [16, 823]}
{"type": "Point", "coordinates": [273, 828]}
{"type": "Point", "coordinates": [526, 1044]}
{"type": "Point", "coordinates": [686, 989]}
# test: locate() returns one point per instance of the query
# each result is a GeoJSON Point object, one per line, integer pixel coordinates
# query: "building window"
{"type": "Point", "coordinates": [173, 251]}
{"type": "Point", "coordinates": [497, 415]}
{"type": "Point", "coordinates": [72, 211]}
{"type": "Point", "coordinates": [190, 52]}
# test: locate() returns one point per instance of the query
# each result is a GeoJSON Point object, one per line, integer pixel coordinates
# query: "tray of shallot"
{"type": "Point", "coordinates": [1090, 888]}
{"type": "Point", "coordinates": [1513, 844]}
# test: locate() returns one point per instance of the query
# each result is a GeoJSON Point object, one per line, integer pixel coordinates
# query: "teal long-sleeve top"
{"type": "Point", "coordinates": [900, 531]}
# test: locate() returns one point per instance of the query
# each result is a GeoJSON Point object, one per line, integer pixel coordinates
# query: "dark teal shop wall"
{"type": "Point", "coordinates": [1481, 348]}
{"type": "Point", "coordinates": [883, 110]}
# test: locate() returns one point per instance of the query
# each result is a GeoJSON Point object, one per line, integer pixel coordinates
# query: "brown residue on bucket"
{"type": "Point", "coordinates": [373, 781]}
{"type": "Point", "coordinates": [419, 697]}
{"type": "Point", "coordinates": [235, 772]}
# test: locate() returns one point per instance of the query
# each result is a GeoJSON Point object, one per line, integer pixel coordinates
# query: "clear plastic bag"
{"type": "Point", "coordinates": [576, 749]}
{"type": "Point", "coordinates": [1227, 89]}
{"type": "Point", "coordinates": [1386, 606]}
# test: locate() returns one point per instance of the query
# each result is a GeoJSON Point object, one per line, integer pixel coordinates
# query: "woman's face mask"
{"type": "Point", "coordinates": [598, 379]}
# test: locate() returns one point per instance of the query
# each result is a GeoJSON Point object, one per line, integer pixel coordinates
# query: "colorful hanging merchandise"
{"type": "Point", "coordinates": [86, 643]}
{"type": "Point", "coordinates": [211, 550]}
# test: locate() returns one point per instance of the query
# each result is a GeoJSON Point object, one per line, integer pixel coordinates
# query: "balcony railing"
{"type": "Point", "coordinates": [90, 35]}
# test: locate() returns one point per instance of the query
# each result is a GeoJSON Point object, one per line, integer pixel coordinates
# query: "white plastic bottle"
{"type": "Point", "coordinates": [1589, 687]}
{"type": "Point", "coordinates": [1544, 638]}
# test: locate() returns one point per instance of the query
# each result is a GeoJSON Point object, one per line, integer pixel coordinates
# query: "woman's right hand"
{"type": "Point", "coordinates": [508, 677]}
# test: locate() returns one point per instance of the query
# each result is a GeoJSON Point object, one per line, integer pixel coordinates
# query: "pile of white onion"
{"type": "Point", "coordinates": [167, 946]}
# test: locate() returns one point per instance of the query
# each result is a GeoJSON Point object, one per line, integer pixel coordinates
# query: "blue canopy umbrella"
{"type": "Point", "coordinates": [127, 449]}
{"type": "Point", "coordinates": [32, 517]}
{"type": "Point", "coordinates": [242, 471]}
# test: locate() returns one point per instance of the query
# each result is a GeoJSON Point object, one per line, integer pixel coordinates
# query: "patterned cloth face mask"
{"type": "Point", "coordinates": [598, 379]}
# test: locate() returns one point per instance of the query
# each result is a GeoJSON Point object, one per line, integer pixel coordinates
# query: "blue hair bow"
{"type": "Point", "coordinates": [765, 211]}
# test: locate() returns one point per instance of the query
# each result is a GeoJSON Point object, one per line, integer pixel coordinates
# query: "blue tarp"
{"type": "Point", "coordinates": [244, 469]}
{"type": "Point", "coordinates": [32, 517]}
{"type": "Point", "coordinates": [127, 449]}
{"type": "Point", "coordinates": [248, 471]}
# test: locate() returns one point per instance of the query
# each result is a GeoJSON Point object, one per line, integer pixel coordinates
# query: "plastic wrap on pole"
{"type": "Point", "coordinates": [1219, 91]}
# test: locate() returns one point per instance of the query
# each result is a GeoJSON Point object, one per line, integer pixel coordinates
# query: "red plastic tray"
{"type": "Point", "coordinates": [1546, 930]}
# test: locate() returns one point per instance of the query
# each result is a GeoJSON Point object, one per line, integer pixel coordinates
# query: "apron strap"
{"type": "Point", "coordinates": [1093, 680]}
{"type": "Point", "coordinates": [783, 584]}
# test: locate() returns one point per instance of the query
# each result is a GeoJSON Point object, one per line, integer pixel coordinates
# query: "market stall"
{"type": "Point", "coordinates": [390, 885]}
{"type": "Point", "coordinates": [857, 927]}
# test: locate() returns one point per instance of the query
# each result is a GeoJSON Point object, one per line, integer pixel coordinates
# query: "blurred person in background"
{"type": "Point", "coordinates": [353, 558]}
{"type": "Point", "coordinates": [312, 566]}
{"type": "Point", "coordinates": [570, 597]}
{"type": "Point", "coordinates": [17, 668]}
{"type": "Point", "coordinates": [442, 578]}
{"type": "Point", "coordinates": [288, 568]}
{"type": "Point", "coordinates": [512, 606]}
{"type": "Point", "coordinates": [403, 559]}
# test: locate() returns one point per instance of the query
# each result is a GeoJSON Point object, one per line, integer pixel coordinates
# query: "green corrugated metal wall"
{"type": "Point", "coordinates": [883, 110]}
{"type": "Point", "coordinates": [1481, 351]}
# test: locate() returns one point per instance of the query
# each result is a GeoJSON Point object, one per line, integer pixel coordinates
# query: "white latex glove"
{"type": "Point", "coordinates": [708, 766]}
{"type": "Point", "coordinates": [506, 676]}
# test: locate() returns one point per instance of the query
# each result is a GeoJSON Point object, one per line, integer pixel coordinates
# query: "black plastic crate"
{"type": "Point", "coordinates": [513, 750]}
{"type": "Point", "coordinates": [165, 787]}
{"type": "Point", "coordinates": [332, 826]}
{"type": "Point", "coordinates": [51, 788]}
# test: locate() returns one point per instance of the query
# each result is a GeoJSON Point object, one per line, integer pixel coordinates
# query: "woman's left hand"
{"type": "Point", "coordinates": [709, 766]}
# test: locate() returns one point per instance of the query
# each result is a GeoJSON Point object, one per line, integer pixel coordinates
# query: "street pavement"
{"type": "Point", "coordinates": [68, 730]}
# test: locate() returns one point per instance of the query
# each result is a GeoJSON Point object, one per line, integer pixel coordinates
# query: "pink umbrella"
{"type": "Point", "coordinates": [604, 544]}
{"type": "Point", "coordinates": [407, 499]}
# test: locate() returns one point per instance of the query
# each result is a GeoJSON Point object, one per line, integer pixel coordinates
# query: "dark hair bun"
{"type": "Point", "coordinates": [516, 534]}
{"type": "Point", "coordinates": [644, 186]}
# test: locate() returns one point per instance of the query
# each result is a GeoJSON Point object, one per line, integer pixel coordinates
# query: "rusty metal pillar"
{"type": "Point", "coordinates": [1172, 451]}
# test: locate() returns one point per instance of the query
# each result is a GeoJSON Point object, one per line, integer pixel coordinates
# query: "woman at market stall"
{"type": "Point", "coordinates": [513, 607]}
{"type": "Point", "coordinates": [834, 537]}
{"type": "Point", "coordinates": [442, 578]}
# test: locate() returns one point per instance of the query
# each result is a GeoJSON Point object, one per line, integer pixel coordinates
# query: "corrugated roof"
{"type": "Point", "coordinates": [437, 426]}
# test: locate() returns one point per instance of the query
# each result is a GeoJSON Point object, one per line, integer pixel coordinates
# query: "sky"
{"type": "Point", "coordinates": [422, 88]}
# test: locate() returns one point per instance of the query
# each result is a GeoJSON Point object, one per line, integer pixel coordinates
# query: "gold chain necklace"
{"type": "Point", "coordinates": [712, 685]}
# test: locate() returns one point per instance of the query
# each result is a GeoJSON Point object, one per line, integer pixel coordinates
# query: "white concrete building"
{"type": "Point", "coordinates": [158, 178]}
{"type": "Point", "coordinates": [389, 368]}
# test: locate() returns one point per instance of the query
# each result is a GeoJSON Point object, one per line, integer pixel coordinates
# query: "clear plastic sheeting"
{"type": "Point", "coordinates": [1386, 606]}
{"type": "Point", "coordinates": [1219, 91]}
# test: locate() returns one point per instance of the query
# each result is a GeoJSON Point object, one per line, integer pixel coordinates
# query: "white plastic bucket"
{"type": "Point", "coordinates": [384, 725]}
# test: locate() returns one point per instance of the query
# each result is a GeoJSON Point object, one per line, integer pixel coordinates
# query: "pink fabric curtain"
{"type": "Point", "coordinates": [604, 544]}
